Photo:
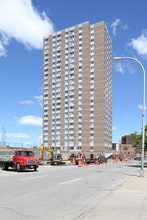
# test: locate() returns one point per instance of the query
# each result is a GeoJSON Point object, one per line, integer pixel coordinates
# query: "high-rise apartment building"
{"type": "Point", "coordinates": [77, 89]}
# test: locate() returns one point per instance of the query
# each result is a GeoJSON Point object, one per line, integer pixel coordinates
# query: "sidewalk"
{"type": "Point", "coordinates": [128, 202]}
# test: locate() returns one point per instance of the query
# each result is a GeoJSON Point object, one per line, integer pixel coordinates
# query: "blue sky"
{"type": "Point", "coordinates": [23, 23]}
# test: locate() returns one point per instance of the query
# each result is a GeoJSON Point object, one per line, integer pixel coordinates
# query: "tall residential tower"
{"type": "Point", "coordinates": [77, 89]}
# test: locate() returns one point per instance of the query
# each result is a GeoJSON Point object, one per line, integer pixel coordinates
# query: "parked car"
{"type": "Point", "coordinates": [137, 157]}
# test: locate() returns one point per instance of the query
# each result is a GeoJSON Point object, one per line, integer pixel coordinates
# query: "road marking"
{"type": "Point", "coordinates": [74, 180]}
{"type": "Point", "coordinates": [35, 177]}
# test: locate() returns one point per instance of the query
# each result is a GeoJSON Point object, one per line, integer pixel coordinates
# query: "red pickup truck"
{"type": "Point", "coordinates": [19, 160]}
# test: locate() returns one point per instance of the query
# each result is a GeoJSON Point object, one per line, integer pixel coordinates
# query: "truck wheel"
{"type": "Point", "coordinates": [18, 168]}
{"type": "Point", "coordinates": [5, 167]}
{"type": "Point", "coordinates": [35, 169]}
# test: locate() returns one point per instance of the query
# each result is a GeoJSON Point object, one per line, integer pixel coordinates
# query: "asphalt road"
{"type": "Point", "coordinates": [63, 193]}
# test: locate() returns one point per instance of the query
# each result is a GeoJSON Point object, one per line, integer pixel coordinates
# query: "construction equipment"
{"type": "Point", "coordinates": [45, 148]}
{"type": "Point", "coordinates": [55, 159]}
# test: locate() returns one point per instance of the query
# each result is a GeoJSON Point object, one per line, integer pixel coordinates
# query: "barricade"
{"type": "Point", "coordinates": [79, 162]}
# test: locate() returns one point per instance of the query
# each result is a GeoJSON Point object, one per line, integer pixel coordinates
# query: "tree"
{"type": "Point", "coordinates": [138, 139]}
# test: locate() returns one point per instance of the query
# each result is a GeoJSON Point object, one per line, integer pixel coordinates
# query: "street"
{"type": "Point", "coordinates": [59, 192]}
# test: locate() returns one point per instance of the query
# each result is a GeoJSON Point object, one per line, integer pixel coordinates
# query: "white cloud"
{"type": "Point", "coordinates": [119, 68]}
{"type": "Point", "coordinates": [17, 135]}
{"type": "Point", "coordinates": [30, 102]}
{"type": "Point", "coordinates": [125, 27]}
{"type": "Point", "coordinates": [117, 24]}
{"type": "Point", "coordinates": [3, 51]}
{"type": "Point", "coordinates": [27, 102]}
{"type": "Point", "coordinates": [4, 41]}
{"type": "Point", "coordinates": [140, 107]}
{"type": "Point", "coordinates": [19, 20]}
{"type": "Point", "coordinates": [140, 43]}
{"type": "Point", "coordinates": [39, 99]}
{"type": "Point", "coordinates": [114, 26]}
{"type": "Point", "coordinates": [30, 120]}
{"type": "Point", "coordinates": [124, 66]}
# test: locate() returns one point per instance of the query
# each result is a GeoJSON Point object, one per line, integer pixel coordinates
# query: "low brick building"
{"type": "Point", "coordinates": [125, 147]}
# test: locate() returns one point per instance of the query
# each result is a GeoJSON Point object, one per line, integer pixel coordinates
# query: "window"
{"type": "Point", "coordinates": [25, 153]}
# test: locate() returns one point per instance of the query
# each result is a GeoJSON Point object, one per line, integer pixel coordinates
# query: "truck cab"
{"type": "Point", "coordinates": [25, 159]}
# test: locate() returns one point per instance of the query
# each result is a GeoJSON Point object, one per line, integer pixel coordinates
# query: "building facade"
{"type": "Point", "coordinates": [77, 89]}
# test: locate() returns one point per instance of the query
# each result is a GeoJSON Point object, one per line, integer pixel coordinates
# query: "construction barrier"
{"type": "Point", "coordinates": [73, 160]}
{"type": "Point", "coordinates": [80, 162]}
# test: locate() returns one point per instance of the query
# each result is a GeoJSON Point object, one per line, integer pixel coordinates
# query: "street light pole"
{"type": "Point", "coordinates": [143, 108]}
